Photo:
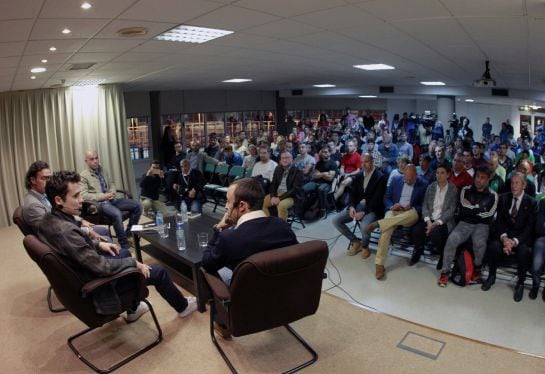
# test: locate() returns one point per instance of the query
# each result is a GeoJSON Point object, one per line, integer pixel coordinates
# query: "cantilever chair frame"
{"type": "Point", "coordinates": [26, 230]}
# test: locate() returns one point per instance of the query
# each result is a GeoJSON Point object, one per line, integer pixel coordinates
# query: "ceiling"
{"type": "Point", "coordinates": [280, 44]}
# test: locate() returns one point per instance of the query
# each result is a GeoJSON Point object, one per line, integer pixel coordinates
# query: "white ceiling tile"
{"type": "Point", "coordinates": [338, 18]}
{"type": "Point", "coordinates": [35, 47]}
{"type": "Point", "coordinates": [289, 8]}
{"type": "Point", "coordinates": [19, 9]}
{"type": "Point", "coordinates": [496, 8]}
{"type": "Point", "coordinates": [110, 45]}
{"type": "Point", "coordinates": [9, 62]}
{"type": "Point", "coordinates": [11, 49]}
{"type": "Point", "coordinates": [426, 31]}
{"type": "Point", "coordinates": [284, 28]}
{"type": "Point", "coordinates": [57, 58]}
{"type": "Point", "coordinates": [81, 28]}
{"type": "Point", "coordinates": [15, 31]}
{"type": "Point", "coordinates": [176, 11]}
{"type": "Point", "coordinates": [144, 57]}
{"type": "Point", "coordinates": [7, 72]}
{"type": "Point", "coordinates": [72, 9]}
{"type": "Point", "coordinates": [161, 46]}
{"type": "Point", "coordinates": [232, 18]}
{"type": "Point", "coordinates": [400, 9]}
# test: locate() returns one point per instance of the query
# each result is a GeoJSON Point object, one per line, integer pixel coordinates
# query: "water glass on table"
{"type": "Point", "coordinates": [202, 239]}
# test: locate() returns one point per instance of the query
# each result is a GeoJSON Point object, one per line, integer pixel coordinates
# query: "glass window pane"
{"type": "Point", "coordinates": [138, 129]}
{"type": "Point", "coordinates": [194, 128]}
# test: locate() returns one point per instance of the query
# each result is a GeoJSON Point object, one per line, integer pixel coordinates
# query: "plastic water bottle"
{"type": "Point", "coordinates": [180, 237]}
{"type": "Point", "coordinates": [183, 211]}
{"type": "Point", "coordinates": [159, 218]}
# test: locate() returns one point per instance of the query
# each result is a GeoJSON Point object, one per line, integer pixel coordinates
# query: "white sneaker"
{"type": "Point", "coordinates": [191, 307]}
{"type": "Point", "coordinates": [140, 311]}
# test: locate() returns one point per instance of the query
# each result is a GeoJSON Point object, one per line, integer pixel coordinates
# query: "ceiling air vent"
{"type": "Point", "coordinates": [131, 32]}
{"type": "Point", "coordinates": [81, 66]}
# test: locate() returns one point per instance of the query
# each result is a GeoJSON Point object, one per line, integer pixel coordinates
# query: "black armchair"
{"type": "Point", "coordinates": [268, 290]}
{"type": "Point", "coordinates": [77, 296]}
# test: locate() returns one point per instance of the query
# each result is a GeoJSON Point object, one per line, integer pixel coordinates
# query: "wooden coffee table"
{"type": "Point", "coordinates": [185, 263]}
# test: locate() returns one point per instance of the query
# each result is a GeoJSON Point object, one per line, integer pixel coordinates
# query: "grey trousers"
{"type": "Point", "coordinates": [461, 233]}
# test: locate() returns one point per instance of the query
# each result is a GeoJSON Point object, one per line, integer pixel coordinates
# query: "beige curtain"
{"type": "Point", "coordinates": [58, 126]}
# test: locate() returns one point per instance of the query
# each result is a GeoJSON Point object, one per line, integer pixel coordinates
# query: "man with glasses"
{"type": "Point", "coordinates": [459, 176]}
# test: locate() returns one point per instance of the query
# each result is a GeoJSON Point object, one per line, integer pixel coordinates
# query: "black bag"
{"type": "Point", "coordinates": [462, 271]}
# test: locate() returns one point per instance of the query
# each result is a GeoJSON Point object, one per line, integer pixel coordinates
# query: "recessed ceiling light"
{"type": "Point", "coordinates": [433, 83]}
{"type": "Point", "coordinates": [66, 31]}
{"type": "Point", "coordinates": [325, 85]}
{"type": "Point", "coordinates": [86, 5]}
{"type": "Point", "coordinates": [368, 96]}
{"type": "Point", "coordinates": [44, 61]}
{"type": "Point", "coordinates": [32, 77]}
{"type": "Point", "coordinates": [52, 48]}
{"type": "Point", "coordinates": [237, 80]}
{"type": "Point", "coordinates": [39, 69]}
{"type": "Point", "coordinates": [374, 67]}
{"type": "Point", "coordinates": [192, 34]}
{"type": "Point", "coordinates": [469, 100]}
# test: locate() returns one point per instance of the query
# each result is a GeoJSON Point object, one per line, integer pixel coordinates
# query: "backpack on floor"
{"type": "Point", "coordinates": [463, 269]}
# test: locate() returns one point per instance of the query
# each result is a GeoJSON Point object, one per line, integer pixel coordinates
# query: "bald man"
{"type": "Point", "coordinates": [403, 203]}
{"type": "Point", "coordinates": [97, 187]}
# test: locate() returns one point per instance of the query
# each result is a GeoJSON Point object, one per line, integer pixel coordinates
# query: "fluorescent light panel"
{"type": "Point", "coordinates": [192, 34]}
{"type": "Point", "coordinates": [469, 100]}
{"type": "Point", "coordinates": [374, 67]}
{"type": "Point", "coordinates": [368, 96]}
{"type": "Point", "coordinates": [38, 69]}
{"type": "Point", "coordinates": [433, 83]}
{"type": "Point", "coordinates": [237, 80]}
{"type": "Point", "coordinates": [86, 5]}
{"type": "Point", "coordinates": [325, 85]}
{"type": "Point", "coordinates": [89, 82]}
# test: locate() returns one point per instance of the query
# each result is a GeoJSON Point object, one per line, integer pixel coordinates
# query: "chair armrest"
{"type": "Point", "coordinates": [124, 192]}
{"type": "Point", "coordinates": [92, 286]}
{"type": "Point", "coordinates": [218, 288]}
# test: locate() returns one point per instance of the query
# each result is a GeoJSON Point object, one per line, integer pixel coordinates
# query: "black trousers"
{"type": "Point", "coordinates": [438, 237]}
{"type": "Point", "coordinates": [521, 254]}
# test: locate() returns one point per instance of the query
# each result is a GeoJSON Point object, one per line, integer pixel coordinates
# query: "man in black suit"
{"type": "Point", "coordinates": [513, 233]}
{"type": "Point", "coordinates": [190, 187]}
{"type": "Point", "coordinates": [244, 230]}
{"type": "Point", "coordinates": [366, 205]}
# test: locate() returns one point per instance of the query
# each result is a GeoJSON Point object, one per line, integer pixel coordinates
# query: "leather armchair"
{"type": "Point", "coordinates": [268, 290]}
{"type": "Point", "coordinates": [77, 296]}
{"type": "Point", "coordinates": [92, 211]}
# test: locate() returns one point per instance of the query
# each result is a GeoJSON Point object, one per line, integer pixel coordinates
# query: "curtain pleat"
{"type": "Point", "coordinates": [58, 126]}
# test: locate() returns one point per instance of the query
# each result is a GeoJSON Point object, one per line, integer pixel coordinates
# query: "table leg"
{"type": "Point", "coordinates": [137, 250]}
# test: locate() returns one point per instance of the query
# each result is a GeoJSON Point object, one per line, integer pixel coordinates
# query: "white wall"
{"type": "Point", "coordinates": [477, 114]}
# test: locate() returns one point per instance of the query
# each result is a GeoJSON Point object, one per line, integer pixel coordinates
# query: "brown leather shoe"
{"type": "Point", "coordinates": [380, 271]}
{"type": "Point", "coordinates": [222, 331]}
{"type": "Point", "coordinates": [365, 252]}
{"type": "Point", "coordinates": [355, 248]}
{"type": "Point", "coordinates": [371, 227]}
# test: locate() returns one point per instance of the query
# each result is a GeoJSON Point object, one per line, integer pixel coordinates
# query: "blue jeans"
{"type": "Point", "coordinates": [195, 205]}
{"type": "Point", "coordinates": [323, 189]}
{"type": "Point", "coordinates": [343, 218]}
{"type": "Point", "coordinates": [538, 261]}
{"type": "Point", "coordinates": [113, 209]}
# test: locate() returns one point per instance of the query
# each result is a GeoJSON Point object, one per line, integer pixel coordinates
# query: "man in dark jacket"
{"type": "Point", "coordinates": [190, 187]}
{"type": "Point", "coordinates": [61, 232]}
{"type": "Point", "coordinates": [366, 205]}
{"type": "Point", "coordinates": [478, 205]}
{"type": "Point", "coordinates": [513, 234]}
{"type": "Point", "coordinates": [150, 185]}
{"type": "Point", "coordinates": [284, 188]}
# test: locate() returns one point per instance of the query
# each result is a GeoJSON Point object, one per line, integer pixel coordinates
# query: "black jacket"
{"type": "Point", "coordinates": [522, 226]}
{"type": "Point", "coordinates": [373, 194]}
{"type": "Point", "coordinates": [477, 207]}
{"type": "Point", "coordinates": [294, 182]}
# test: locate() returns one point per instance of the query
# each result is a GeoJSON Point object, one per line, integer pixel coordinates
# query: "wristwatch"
{"type": "Point", "coordinates": [216, 228]}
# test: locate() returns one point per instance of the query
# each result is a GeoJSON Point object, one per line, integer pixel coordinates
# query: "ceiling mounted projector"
{"type": "Point", "coordinates": [486, 80]}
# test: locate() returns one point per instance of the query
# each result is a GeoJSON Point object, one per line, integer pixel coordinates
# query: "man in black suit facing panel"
{"type": "Point", "coordinates": [244, 230]}
{"type": "Point", "coordinates": [513, 234]}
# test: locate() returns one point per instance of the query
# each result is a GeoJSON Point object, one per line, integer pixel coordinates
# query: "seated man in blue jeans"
{"type": "Point", "coordinates": [61, 232]}
{"type": "Point", "coordinates": [322, 177]}
{"type": "Point", "coordinates": [96, 186]}
{"type": "Point", "coordinates": [366, 205]}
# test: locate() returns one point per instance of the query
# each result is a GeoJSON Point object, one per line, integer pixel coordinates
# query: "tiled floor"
{"type": "Point", "coordinates": [412, 293]}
